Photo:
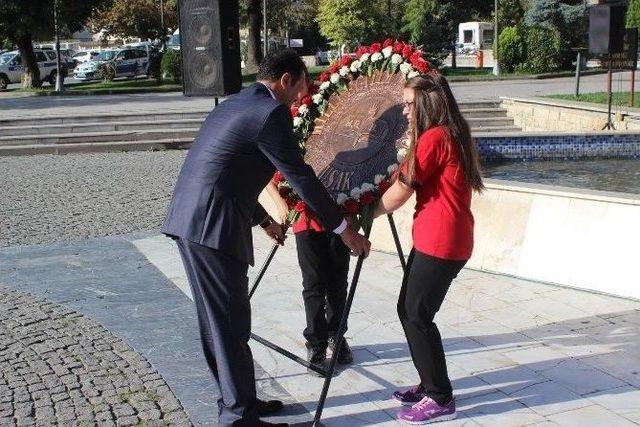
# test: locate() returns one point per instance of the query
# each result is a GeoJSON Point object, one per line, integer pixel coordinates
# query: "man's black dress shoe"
{"type": "Point", "coordinates": [268, 407]}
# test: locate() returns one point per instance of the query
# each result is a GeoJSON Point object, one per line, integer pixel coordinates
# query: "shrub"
{"type": "Point", "coordinates": [544, 50]}
{"type": "Point", "coordinates": [511, 48]}
{"type": "Point", "coordinates": [154, 69]}
{"type": "Point", "coordinates": [171, 65]}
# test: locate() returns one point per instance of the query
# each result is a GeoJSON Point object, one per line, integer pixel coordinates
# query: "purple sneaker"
{"type": "Point", "coordinates": [428, 411]}
{"type": "Point", "coordinates": [409, 397]}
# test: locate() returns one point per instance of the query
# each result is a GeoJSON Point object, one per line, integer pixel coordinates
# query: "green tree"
{"type": "Point", "coordinates": [633, 14]}
{"type": "Point", "coordinates": [349, 21]}
{"type": "Point", "coordinates": [510, 13]}
{"type": "Point", "coordinates": [135, 18]}
{"type": "Point", "coordinates": [544, 50]}
{"type": "Point", "coordinates": [22, 22]}
{"type": "Point", "coordinates": [511, 48]}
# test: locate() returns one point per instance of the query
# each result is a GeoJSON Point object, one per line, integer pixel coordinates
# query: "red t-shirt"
{"type": "Point", "coordinates": [442, 222]}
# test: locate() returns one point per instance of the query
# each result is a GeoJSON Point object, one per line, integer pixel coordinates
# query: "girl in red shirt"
{"type": "Point", "coordinates": [442, 167]}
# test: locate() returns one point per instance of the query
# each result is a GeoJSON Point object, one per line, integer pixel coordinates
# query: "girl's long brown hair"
{"type": "Point", "coordinates": [434, 105]}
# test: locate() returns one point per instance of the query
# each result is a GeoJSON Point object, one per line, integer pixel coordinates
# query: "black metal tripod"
{"type": "Point", "coordinates": [328, 373]}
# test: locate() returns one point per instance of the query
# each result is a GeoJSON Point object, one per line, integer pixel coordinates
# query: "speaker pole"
{"type": "Point", "coordinates": [215, 101]}
{"type": "Point", "coordinates": [609, 124]}
{"type": "Point", "coordinates": [633, 87]}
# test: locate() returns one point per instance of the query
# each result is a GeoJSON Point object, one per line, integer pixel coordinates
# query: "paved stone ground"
{"type": "Point", "coordinates": [48, 198]}
{"type": "Point", "coordinates": [59, 367]}
{"type": "Point", "coordinates": [520, 353]}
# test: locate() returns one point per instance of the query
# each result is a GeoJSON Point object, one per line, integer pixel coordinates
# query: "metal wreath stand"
{"type": "Point", "coordinates": [326, 373]}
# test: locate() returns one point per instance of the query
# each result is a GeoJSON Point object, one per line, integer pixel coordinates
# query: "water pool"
{"type": "Point", "coordinates": [606, 175]}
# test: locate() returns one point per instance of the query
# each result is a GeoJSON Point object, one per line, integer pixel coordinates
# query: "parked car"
{"type": "Point", "coordinates": [126, 63]}
{"type": "Point", "coordinates": [12, 67]}
{"type": "Point", "coordinates": [84, 56]}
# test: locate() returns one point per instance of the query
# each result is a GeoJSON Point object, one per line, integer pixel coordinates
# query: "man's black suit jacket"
{"type": "Point", "coordinates": [233, 157]}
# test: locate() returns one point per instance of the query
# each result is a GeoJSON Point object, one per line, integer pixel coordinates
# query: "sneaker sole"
{"type": "Point", "coordinates": [433, 420]}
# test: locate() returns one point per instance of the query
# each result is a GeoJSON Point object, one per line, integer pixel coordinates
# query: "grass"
{"type": "Point", "coordinates": [116, 86]}
{"type": "Point", "coordinates": [618, 98]}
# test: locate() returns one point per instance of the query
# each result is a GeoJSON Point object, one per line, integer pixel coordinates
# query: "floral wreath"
{"type": "Point", "coordinates": [389, 56]}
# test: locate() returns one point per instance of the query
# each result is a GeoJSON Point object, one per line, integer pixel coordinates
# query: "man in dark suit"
{"type": "Point", "coordinates": [214, 206]}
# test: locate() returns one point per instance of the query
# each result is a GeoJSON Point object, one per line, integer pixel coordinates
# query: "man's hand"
{"type": "Point", "coordinates": [275, 232]}
{"type": "Point", "coordinates": [357, 243]}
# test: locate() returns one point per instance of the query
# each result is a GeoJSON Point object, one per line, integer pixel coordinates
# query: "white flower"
{"type": "Point", "coordinates": [324, 86]}
{"type": "Point", "coordinates": [342, 199]}
{"type": "Point", "coordinates": [387, 51]}
{"type": "Point", "coordinates": [303, 109]}
{"type": "Point", "coordinates": [405, 67]}
{"type": "Point", "coordinates": [378, 179]}
{"type": "Point", "coordinates": [364, 57]}
{"type": "Point", "coordinates": [367, 187]}
{"type": "Point", "coordinates": [317, 98]}
{"type": "Point", "coordinates": [355, 193]}
{"type": "Point", "coordinates": [412, 74]}
{"type": "Point", "coordinates": [376, 57]}
{"type": "Point", "coordinates": [344, 71]}
{"type": "Point", "coordinates": [297, 121]}
{"type": "Point", "coordinates": [335, 78]}
{"type": "Point", "coordinates": [391, 169]}
{"type": "Point", "coordinates": [396, 58]}
{"type": "Point", "coordinates": [402, 153]}
{"type": "Point", "coordinates": [355, 66]}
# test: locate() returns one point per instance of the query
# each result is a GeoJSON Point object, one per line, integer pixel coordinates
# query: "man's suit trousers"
{"type": "Point", "coordinates": [220, 291]}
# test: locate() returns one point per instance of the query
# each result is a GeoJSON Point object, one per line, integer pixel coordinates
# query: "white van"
{"type": "Point", "coordinates": [12, 67]}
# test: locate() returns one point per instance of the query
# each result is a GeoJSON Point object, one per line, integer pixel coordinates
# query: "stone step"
{"type": "Point", "coordinates": [74, 128]}
{"type": "Point", "coordinates": [116, 136]}
{"type": "Point", "coordinates": [471, 113]}
{"type": "Point", "coordinates": [96, 147]}
{"type": "Point", "coordinates": [480, 122]}
{"type": "Point", "coordinates": [478, 105]}
{"type": "Point", "coordinates": [104, 118]}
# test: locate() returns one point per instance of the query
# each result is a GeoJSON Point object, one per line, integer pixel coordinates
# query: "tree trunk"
{"type": "Point", "coordinates": [454, 63]}
{"type": "Point", "coordinates": [31, 76]}
{"type": "Point", "coordinates": [254, 45]}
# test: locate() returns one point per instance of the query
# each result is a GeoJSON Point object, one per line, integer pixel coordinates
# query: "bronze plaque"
{"type": "Point", "coordinates": [359, 134]}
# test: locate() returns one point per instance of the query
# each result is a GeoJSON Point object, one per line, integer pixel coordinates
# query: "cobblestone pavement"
{"type": "Point", "coordinates": [49, 198]}
{"type": "Point", "coordinates": [61, 368]}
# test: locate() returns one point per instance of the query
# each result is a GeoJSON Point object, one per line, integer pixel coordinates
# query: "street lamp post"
{"type": "Point", "coordinates": [496, 67]}
{"type": "Point", "coordinates": [264, 28]}
{"type": "Point", "coordinates": [163, 32]}
{"type": "Point", "coordinates": [59, 78]}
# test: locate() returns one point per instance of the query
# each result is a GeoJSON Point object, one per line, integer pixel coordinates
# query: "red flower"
{"type": "Point", "coordinates": [415, 56]}
{"type": "Point", "coordinates": [324, 76]}
{"type": "Point", "coordinates": [313, 89]}
{"type": "Point", "coordinates": [361, 51]}
{"type": "Point", "coordinates": [376, 47]}
{"type": "Point", "coordinates": [306, 100]}
{"type": "Point", "coordinates": [333, 68]}
{"type": "Point", "coordinates": [383, 186]}
{"type": "Point", "coordinates": [407, 50]}
{"type": "Point", "coordinates": [345, 61]}
{"type": "Point", "coordinates": [277, 178]}
{"type": "Point", "coordinates": [397, 47]}
{"type": "Point", "coordinates": [294, 111]}
{"type": "Point", "coordinates": [421, 65]}
{"type": "Point", "coordinates": [388, 42]}
{"type": "Point", "coordinates": [367, 198]}
{"type": "Point", "coordinates": [351, 206]}
{"type": "Point", "coordinates": [300, 207]}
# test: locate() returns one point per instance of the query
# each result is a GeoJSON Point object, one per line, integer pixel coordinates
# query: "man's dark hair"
{"type": "Point", "coordinates": [274, 65]}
